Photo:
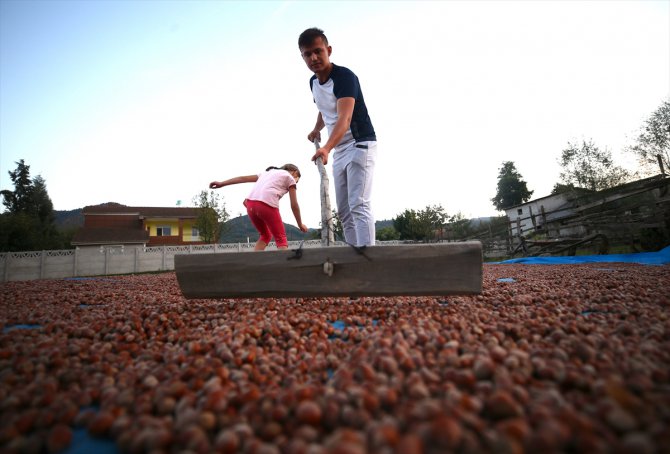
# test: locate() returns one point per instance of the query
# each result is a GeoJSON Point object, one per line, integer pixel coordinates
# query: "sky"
{"type": "Point", "coordinates": [144, 102]}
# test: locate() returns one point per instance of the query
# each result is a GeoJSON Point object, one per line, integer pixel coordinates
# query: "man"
{"type": "Point", "coordinates": [351, 137]}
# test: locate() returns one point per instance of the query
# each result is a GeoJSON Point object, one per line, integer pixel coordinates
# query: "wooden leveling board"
{"type": "Point", "coordinates": [403, 270]}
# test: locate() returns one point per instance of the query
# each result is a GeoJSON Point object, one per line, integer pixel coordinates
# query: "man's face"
{"type": "Point", "coordinates": [316, 55]}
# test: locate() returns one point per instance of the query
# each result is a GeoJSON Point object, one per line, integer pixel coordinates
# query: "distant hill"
{"type": "Point", "coordinates": [384, 223]}
{"type": "Point", "coordinates": [240, 229]}
{"type": "Point", "coordinates": [68, 220]}
{"type": "Point", "coordinates": [476, 222]}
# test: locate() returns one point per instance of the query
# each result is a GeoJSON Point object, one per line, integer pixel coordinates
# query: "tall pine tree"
{"type": "Point", "coordinates": [29, 222]}
{"type": "Point", "coordinates": [18, 201]}
{"type": "Point", "coordinates": [512, 190]}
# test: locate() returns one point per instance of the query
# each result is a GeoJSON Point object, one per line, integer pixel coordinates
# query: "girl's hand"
{"type": "Point", "coordinates": [215, 185]}
{"type": "Point", "coordinates": [303, 227]}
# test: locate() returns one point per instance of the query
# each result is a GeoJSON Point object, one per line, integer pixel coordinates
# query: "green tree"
{"type": "Point", "coordinates": [18, 201]}
{"type": "Point", "coordinates": [338, 230]}
{"type": "Point", "coordinates": [512, 190]}
{"type": "Point", "coordinates": [587, 166]}
{"type": "Point", "coordinates": [43, 210]}
{"type": "Point", "coordinates": [28, 224]}
{"type": "Point", "coordinates": [654, 140]}
{"type": "Point", "coordinates": [387, 234]}
{"type": "Point", "coordinates": [459, 227]}
{"type": "Point", "coordinates": [422, 225]}
{"type": "Point", "coordinates": [19, 232]}
{"type": "Point", "coordinates": [212, 215]}
{"type": "Point", "coordinates": [404, 224]}
{"type": "Point", "coordinates": [559, 187]}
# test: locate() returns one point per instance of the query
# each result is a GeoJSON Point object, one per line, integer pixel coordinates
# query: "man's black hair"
{"type": "Point", "coordinates": [308, 36]}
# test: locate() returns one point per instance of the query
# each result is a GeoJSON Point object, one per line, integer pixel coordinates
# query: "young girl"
{"type": "Point", "coordinates": [263, 202]}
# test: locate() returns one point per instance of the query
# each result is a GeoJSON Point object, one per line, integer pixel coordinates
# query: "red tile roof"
{"type": "Point", "coordinates": [142, 212]}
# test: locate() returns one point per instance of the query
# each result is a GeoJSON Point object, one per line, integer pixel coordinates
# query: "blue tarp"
{"type": "Point", "coordinates": [83, 443]}
{"type": "Point", "coordinates": [661, 257]}
{"type": "Point", "coordinates": [9, 328]}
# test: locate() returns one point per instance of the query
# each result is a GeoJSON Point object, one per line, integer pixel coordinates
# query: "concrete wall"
{"type": "Point", "coordinates": [25, 266]}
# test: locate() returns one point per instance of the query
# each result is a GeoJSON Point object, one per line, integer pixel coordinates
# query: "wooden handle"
{"type": "Point", "coordinates": [327, 234]}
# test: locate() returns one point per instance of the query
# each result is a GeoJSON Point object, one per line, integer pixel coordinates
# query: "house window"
{"type": "Point", "coordinates": [519, 211]}
{"type": "Point", "coordinates": [163, 231]}
{"type": "Point", "coordinates": [195, 233]}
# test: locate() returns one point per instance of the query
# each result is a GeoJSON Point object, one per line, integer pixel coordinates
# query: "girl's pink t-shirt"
{"type": "Point", "coordinates": [271, 186]}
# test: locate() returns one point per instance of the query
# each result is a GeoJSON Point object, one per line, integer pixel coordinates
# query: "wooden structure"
{"type": "Point", "coordinates": [557, 246]}
{"type": "Point", "coordinates": [636, 214]}
{"type": "Point", "coordinates": [402, 270]}
{"type": "Point", "coordinates": [327, 230]}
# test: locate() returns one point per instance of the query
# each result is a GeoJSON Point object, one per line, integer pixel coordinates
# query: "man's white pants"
{"type": "Point", "coordinates": [353, 168]}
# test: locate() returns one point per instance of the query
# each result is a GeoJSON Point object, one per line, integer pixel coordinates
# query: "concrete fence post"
{"type": "Point", "coordinates": [75, 261]}
{"type": "Point", "coordinates": [7, 265]}
{"type": "Point", "coordinates": [163, 264]}
{"type": "Point", "coordinates": [42, 264]}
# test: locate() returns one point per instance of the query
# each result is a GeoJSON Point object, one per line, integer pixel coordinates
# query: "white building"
{"type": "Point", "coordinates": [534, 216]}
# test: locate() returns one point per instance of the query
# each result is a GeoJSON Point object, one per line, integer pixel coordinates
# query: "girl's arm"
{"type": "Point", "coordinates": [236, 180]}
{"type": "Point", "coordinates": [296, 208]}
